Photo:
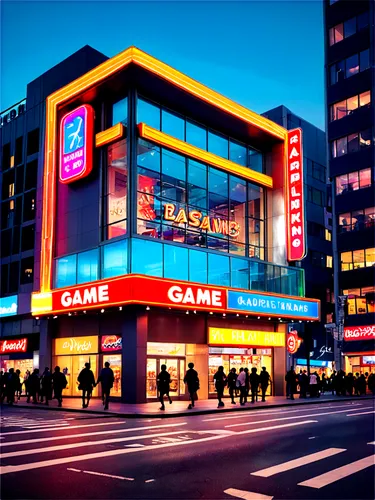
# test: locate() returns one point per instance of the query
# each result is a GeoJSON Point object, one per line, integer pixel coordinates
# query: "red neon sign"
{"type": "Point", "coordinates": [13, 346]}
{"type": "Point", "coordinates": [111, 343]}
{"type": "Point", "coordinates": [295, 216]}
{"type": "Point", "coordinates": [76, 144]}
{"type": "Point", "coordinates": [293, 342]}
{"type": "Point", "coordinates": [359, 333]}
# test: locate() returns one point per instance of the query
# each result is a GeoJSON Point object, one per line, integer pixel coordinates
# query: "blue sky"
{"type": "Point", "coordinates": [259, 53]}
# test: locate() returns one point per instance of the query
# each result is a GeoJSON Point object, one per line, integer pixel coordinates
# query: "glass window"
{"type": "Point", "coordinates": [365, 138]}
{"type": "Point", "coordinates": [148, 113]}
{"type": "Point", "coordinates": [120, 112]}
{"type": "Point", "coordinates": [117, 188]}
{"type": "Point", "coordinates": [239, 273]}
{"type": "Point", "coordinates": [254, 160]}
{"type": "Point", "coordinates": [358, 258]}
{"type": "Point", "coordinates": [331, 36]}
{"type": "Point", "coordinates": [88, 266]}
{"type": "Point", "coordinates": [148, 155]}
{"type": "Point", "coordinates": [353, 143]}
{"type": "Point", "coordinates": [176, 262]}
{"type": "Point", "coordinates": [218, 144]}
{"type": "Point", "coordinates": [342, 146]}
{"type": "Point", "coordinates": [329, 261]}
{"type": "Point", "coordinates": [257, 276]}
{"type": "Point", "coordinates": [198, 269]}
{"type": "Point", "coordinates": [173, 166]}
{"type": "Point", "coordinates": [218, 270]}
{"type": "Point", "coordinates": [370, 257]}
{"type": "Point", "coordinates": [115, 259]}
{"type": "Point", "coordinates": [344, 222]}
{"type": "Point", "coordinates": [338, 110]}
{"type": "Point", "coordinates": [365, 178]}
{"type": "Point", "coordinates": [349, 27]}
{"type": "Point", "coordinates": [147, 257]}
{"type": "Point", "coordinates": [173, 125]}
{"type": "Point", "coordinates": [66, 271]}
{"type": "Point", "coordinates": [238, 153]}
{"type": "Point", "coordinates": [338, 32]}
{"type": "Point", "coordinates": [362, 20]}
{"type": "Point", "coordinates": [197, 184]}
{"type": "Point", "coordinates": [365, 98]}
{"type": "Point", "coordinates": [352, 66]}
{"type": "Point", "coordinates": [352, 104]}
{"type": "Point", "coordinates": [364, 60]}
{"type": "Point", "coordinates": [353, 183]}
{"type": "Point", "coordinates": [196, 135]}
{"type": "Point", "coordinates": [346, 261]}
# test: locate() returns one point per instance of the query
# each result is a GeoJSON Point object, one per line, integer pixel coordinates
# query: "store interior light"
{"type": "Point", "coordinates": [102, 311]}
{"type": "Point", "coordinates": [147, 308]}
{"type": "Point", "coordinates": [269, 319]}
{"type": "Point", "coordinates": [187, 312]}
{"type": "Point", "coordinates": [258, 317]}
{"type": "Point", "coordinates": [54, 317]}
{"type": "Point", "coordinates": [69, 314]}
{"type": "Point", "coordinates": [211, 312]}
{"type": "Point", "coordinates": [195, 312]}
{"type": "Point", "coordinates": [37, 317]}
{"type": "Point", "coordinates": [224, 315]}
{"type": "Point", "coordinates": [84, 312]}
{"type": "Point", "coordinates": [247, 315]}
{"type": "Point", "coordinates": [237, 314]}
{"type": "Point", "coordinates": [120, 308]}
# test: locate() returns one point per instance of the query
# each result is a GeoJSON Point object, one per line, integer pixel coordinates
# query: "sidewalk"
{"type": "Point", "coordinates": [179, 408]}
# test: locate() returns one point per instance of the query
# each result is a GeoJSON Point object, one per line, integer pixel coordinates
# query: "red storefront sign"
{"type": "Point", "coordinates": [111, 343]}
{"type": "Point", "coordinates": [11, 346]}
{"type": "Point", "coordinates": [293, 342]}
{"type": "Point", "coordinates": [295, 216]}
{"type": "Point", "coordinates": [359, 333]}
{"type": "Point", "coordinates": [141, 290]}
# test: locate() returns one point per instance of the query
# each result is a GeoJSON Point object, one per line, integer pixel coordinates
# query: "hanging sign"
{"type": "Point", "coordinates": [10, 346]}
{"type": "Point", "coordinates": [293, 342]}
{"type": "Point", "coordinates": [359, 332]}
{"type": "Point", "coordinates": [111, 343]}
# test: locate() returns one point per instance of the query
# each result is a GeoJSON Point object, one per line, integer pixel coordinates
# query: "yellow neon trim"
{"type": "Point", "coordinates": [109, 135]}
{"type": "Point", "coordinates": [41, 302]}
{"type": "Point", "coordinates": [147, 132]}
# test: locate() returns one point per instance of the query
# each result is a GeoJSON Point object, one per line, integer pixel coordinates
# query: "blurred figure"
{"type": "Point", "coordinates": [192, 381]}
{"type": "Point", "coordinates": [34, 386]}
{"type": "Point", "coordinates": [26, 384]}
{"type": "Point", "coordinates": [349, 384]}
{"type": "Point", "coordinates": [356, 384]}
{"type": "Point", "coordinates": [220, 380]}
{"type": "Point", "coordinates": [18, 385]}
{"type": "Point", "coordinates": [332, 380]}
{"type": "Point", "coordinates": [232, 378]}
{"type": "Point", "coordinates": [59, 382]}
{"type": "Point", "coordinates": [247, 384]}
{"type": "Point", "coordinates": [291, 383]}
{"type": "Point", "coordinates": [163, 382]}
{"type": "Point", "coordinates": [303, 385]}
{"type": "Point", "coordinates": [264, 378]}
{"type": "Point", "coordinates": [254, 384]}
{"type": "Point", "coordinates": [371, 383]}
{"type": "Point", "coordinates": [323, 383]}
{"type": "Point", "coordinates": [86, 382]}
{"type": "Point", "coordinates": [241, 384]}
{"type": "Point", "coordinates": [46, 386]}
{"type": "Point", "coordinates": [362, 385]}
{"type": "Point", "coordinates": [313, 385]}
{"type": "Point", "coordinates": [11, 386]}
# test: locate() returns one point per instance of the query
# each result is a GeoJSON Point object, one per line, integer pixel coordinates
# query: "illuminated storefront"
{"type": "Point", "coordinates": [359, 349]}
{"type": "Point", "coordinates": [20, 353]}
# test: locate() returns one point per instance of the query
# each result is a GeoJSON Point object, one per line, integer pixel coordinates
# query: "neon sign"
{"type": "Point", "coordinates": [76, 345]}
{"type": "Point", "coordinates": [76, 144]}
{"type": "Point", "coordinates": [359, 332]}
{"type": "Point", "coordinates": [293, 342]}
{"type": "Point", "coordinates": [295, 217]}
{"type": "Point", "coordinates": [111, 343]}
{"type": "Point", "coordinates": [13, 346]}
{"type": "Point", "coordinates": [246, 338]}
{"type": "Point", "coordinates": [195, 218]}
{"type": "Point", "coordinates": [8, 306]}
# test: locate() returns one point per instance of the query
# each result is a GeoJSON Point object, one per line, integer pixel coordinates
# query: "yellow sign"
{"type": "Point", "coordinates": [245, 338]}
{"type": "Point", "coordinates": [76, 345]}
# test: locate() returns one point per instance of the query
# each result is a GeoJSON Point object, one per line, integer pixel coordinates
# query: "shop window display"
{"type": "Point", "coordinates": [117, 188]}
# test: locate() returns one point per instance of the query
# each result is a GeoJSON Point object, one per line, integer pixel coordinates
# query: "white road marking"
{"type": "Point", "coordinates": [336, 474]}
{"type": "Point", "coordinates": [312, 437]}
{"type": "Point", "coordinates": [372, 442]}
{"type": "Point", "coordinates": [135, 445]}
{"type": "Point", "coordinates": [8, 469]}
{"type": "Point", "coordinates": [73, 436]}
{"type": "Point", "coordinates": [298, 462]}
{"type": "Point", "coordinates": [362, 413]}
{"type": "Point", "coordinates": [149, 480]}
{"type": "Point", "coordinates": [288, 418]}
{"type": "Point", "coordinates": [246, 495]}
{"type": "Point", "coordinates": [108, 475]}
{"type": "Point", "coordinates": [49, 428]}
{"type": "Point", "coordinates": [74, 470]}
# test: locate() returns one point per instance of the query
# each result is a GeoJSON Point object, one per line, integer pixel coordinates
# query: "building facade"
{"type": "Point", "coordinates": [317, 348]}
{"type": "Point", "coordinates": [166, 218]}
{"type": "Point", "coordinates": [350, 112]}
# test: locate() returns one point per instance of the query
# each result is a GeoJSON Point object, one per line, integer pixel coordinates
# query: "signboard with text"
{"type": "Point", "coordinates": [359, 333]}
{"type": "Point", "coordinates": [293, 342]}
{"type": "Point", "coordinates": [294, 196]}
{"type": "Point", "coordinates": [12, 346]}
{"type": "Point", "coordinates": [244, 338]}
{"type": "Point", "coordinates": [76, 345]}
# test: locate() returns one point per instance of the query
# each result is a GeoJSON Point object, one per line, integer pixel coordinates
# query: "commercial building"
{"type": "Point", "coordinates": [317, 348]}
{"type": "Point", "coordinates": [350, 113]}
{"type": "Point", "coordinates": [166, 218]}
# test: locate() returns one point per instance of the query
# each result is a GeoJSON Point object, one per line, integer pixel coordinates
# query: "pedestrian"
{"type": "Point", "coordinates": [318, 385]}
{"type": "Point", "coordinates": [18, 385]}
{"type": "Point", "coordinates": [332, 380]}
{"type": "Point", "coordinates": [26, 384]}
{"type": "Point", "coordinates": [264, 377]}
{"type": "Point", "coordinates": [324, 383]}
{"type": "Point", "coordinates": [106, 378]}
{"type": "Point", "coordinates": [192, 381]}
{"type": "Point", "coordinates": [303, 385]}
{"type": "Point", "coordinates": [34, 386]}
{"type": "Point", "coordinates": [254, 384]}
{"type": "Point", "coordinates": [356, 384]}
{"type": "Point", "coordinates": [371, 383]}
{"type": "Point", "coordinates": [349, 384]}
{"type": "Point", "coordinates": [59, 382]}
{"type": "Point", "coordinates": [46, 386]}
{"type": "Point", "coordinates": [220, 381]}
{"type": "Point", "coordinates": [241, 384]}
{"type": "Point", "coordinates": [291, 383]}
{"type": "Point", "coordinates": [247, 384]}
{"type": "Point", "coordinates": [4, 385]}
{"type": "Point", "coordinates": [231, 380]}
{"type": "Point", "coordinates": [86, 381]}
{"type": "Point", "coordinates": [362, 384]}
{"type": "Point", "coordinates": [163, 382]}
{"type": "Point", "coordinates": [313, 385]}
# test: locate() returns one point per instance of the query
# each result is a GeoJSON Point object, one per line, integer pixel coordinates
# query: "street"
{"type": "Point", "coordinates": [316, 451]}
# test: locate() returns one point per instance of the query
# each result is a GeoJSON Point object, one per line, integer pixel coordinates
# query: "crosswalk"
{"type": "Point", "coordinates": [30, 423]}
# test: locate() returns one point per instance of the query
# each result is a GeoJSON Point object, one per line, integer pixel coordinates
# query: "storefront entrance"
{"type": "Point", "coordinates": [175, 367]}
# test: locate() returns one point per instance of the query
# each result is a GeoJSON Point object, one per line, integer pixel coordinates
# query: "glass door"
{"type": "Point", "coordinates": [175, 368]}
{"type": "Point", "coordinates": [151, 389]}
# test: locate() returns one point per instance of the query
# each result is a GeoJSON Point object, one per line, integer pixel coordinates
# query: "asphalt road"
{"type": "Point", "coordinates": [324, 451]}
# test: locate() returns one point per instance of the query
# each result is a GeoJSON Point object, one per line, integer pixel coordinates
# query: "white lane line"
{"type": "Point", "coordinates": [135, 445]}
{"type": "Point", "coordinates": [8, 469]}
{"type": "Point", "coordinates": [337, 474]}
{"type": "Point", "coordinates": [298, 462]}
{"type": "Point", "coordinates": [73, 470]}
{"type": "Point", "coordinates": [288, 418]}
{"type": "Point", "coordinates": [372, 442]}
{"type": "Point", "coordinates": [108, 475]}
{"type": "Point", "coordinates": [264, 412]}
{"type": "Point", "coordinates": [246, 495]}
{"type": "Point", "coordinates": [149, 480]}
{"type": "Point", "coordinates": [312, 437]}
{"type": "Point", "coordinates": [49, 428]}
{"type": "Point", "coordinates": [362, 413]}
{"type": "Point", "coordinates": [102, 433]}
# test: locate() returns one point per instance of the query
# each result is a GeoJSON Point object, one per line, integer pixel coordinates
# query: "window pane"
{"type": "Point", "coordinates": [148, 155]}
{"type": "Point", "coordinates": [148, 113]}
{"type": "Point", "coordinates": [365, 138]}
{"type": "Point", "coordinates": [346, 261]}
{"type": "Point", "coordinates": [175, 262]}
{"type": "Point", "coordinates": [333, 74]}
{"type": "Point", "coordinates": [362, 20]}
{"type": "Point", "coordinates": [66, 271]}
{"type": "Point", "coordinates": [353, 143]}
{"type": "Point", "coordinates": [218, 183]}
{"type": "Point", "coordinates": [120, 112]}
{"type": "Point", "coordinates": [352, 66]}
{"type": "Point", "coordinates": [197, 266]}
{"type": "Point", "coordinates": [340, 71]}
{"type": "Point", "coordinates": [342, 146]}
{"type": "Point", "coordinates": [115, 259]}
{"type": "Point", "coordinates": [117, 180]}
{"type": "Point", "coordinates": [196, 135]}
{"type": "Point", "coordinates": [331, 36]}
{"type": "Point", "coordinates": [88, 266]}
{"type": "Point", "coordinates": [352, 104]}
{"type": "Point", "coordinates": [353, 184]}
{"type": "Point", "coordinates": [339, 110]}
{"type": "Point", "coordinates": [255, 160]}
{"type": "Point", "coordinates": [364, 59]}
{"type": "Point", "coordinates": [116, 229]}
{"type": "Point", "coordinates": [370, 257]}
{"type": "Point", "coordinates": [358, 222]}
{"type": "Point", "coordinates": [174, 166]}
{"type": "Point", "coordinates": [173, 125]}
{"type": "Point", "coordinates": [239, 273]}
{"type": "Point", "coordinates": [257, 276]}
{"type": "Point", "coordinates": [344, 222]}
{"type": "Point", "coordinates": [365, 98]}
{"type": "Point", "coordinates": [365, 178]}
{"type": "Point", "coordinates": [358, 258]}
{"type": "Point", "coordinates": [349, 27]}
{"type": "Point", "coordinates": [338, 32]}
{"type": "Point", "coordinates": [147, 257]}
{"type": "Point", "coordinates": [237, 153]}
{"type": "Point", "coordinates": [218, 270]}
{"type": "Point", "coordinates": [218, 145]}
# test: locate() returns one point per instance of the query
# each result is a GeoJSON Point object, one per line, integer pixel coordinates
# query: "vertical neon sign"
{"type": "Point", "coordinates": [295, 213]}
{"type": "Point", "coordinates": [76, 144]}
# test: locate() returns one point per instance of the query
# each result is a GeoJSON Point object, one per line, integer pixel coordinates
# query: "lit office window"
{"type": "Point", "coordinates": [88, 266]}
{"type": "Point", "coordinates": [66, 271]}
{"type": "Point", "coordinates": [120, 112]}
{"type": "Point", "coordinates": [115, 259]}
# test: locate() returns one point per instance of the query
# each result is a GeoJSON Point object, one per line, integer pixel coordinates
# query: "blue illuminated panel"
{"type": "Point", "coordinates": [8, 306]}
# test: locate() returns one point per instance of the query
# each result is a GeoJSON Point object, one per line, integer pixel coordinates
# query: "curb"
{"type": "Point", "coordinates": [110, 414]}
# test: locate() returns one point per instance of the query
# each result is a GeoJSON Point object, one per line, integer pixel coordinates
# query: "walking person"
{"type": "Point", "coordinates": [46, 386]}
{"type": "Point", "coordinates": [291, 383]}
{"type": "Point", "coordinates": [18, 385]}
{"type": "Point", "coordinates": [247, 384]}
{"type": "Point", "coordinates": [371, 383]}
{"type": "Point", "coordinates": [349, 384]}
{"type": "Point", "coordinates": [59, 382]}
{"type": "Point", "coordinates": [26, 384]}
{"type": "Point", "coordinates": [4, 385]}
{"type": "Point", "coordinates": [34, 386]}
{"type": "Point", "coordinates": [231, 380]}
{"type": "Point", "coordinates": [86, 382]}
{"type": "Point", "coordinates": [264, 378]}
{"type": "Point", "coordinates": [163, 382]}
{"type": "Point", "coordinates": [220, 380]}
{"type": "Point", "coordinates": [332, 380]}
{"type": "Point", "coordinates": [192, 381]}
{"type": "Point", "coordinates": [303, 384]}
{"type": "Point", "coordinates": [106, 378]}
{"type": "Point", "coordinates": [254, 384]}
{"type": "Point", "coordinates": [313, 385]}
{"type": "Point", "coordinates": [324, 383]}
{"type": "Point", "coordinates": [241, 384]}
{"type": "Point", "coordinates": [362, 384]}
{"type": "Point", "coordinates": [356, 384]}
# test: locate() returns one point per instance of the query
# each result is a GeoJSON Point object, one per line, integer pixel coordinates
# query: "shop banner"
{"type": "Point", "coordinates": [359, 333]}
{"type": "Point", "coordinates": [11, 346]}
{"type": "Point", "coordinates": [110, 343]}
{"type": "Point", "coordinates": [8, 306]}
{"type": "Point", "coordinates": [273, 305]}
{"type": "Point", "coordinates": [368, 360]}
{"type": "Point", "coordinates": [244, 338]}
{"type": "Point", "coordinates": [76, 345]}
{"type": "Point", "coordinates": [314, 362]}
